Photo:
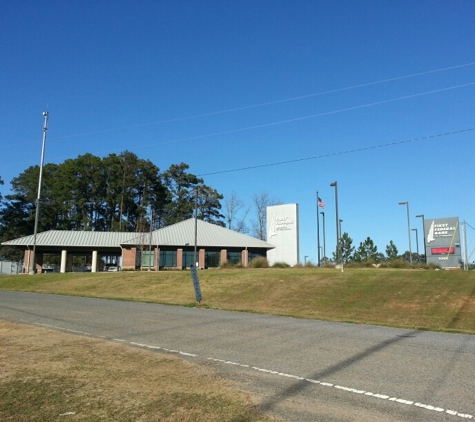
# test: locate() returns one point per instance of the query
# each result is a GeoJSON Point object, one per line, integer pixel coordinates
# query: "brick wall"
{"type": "Point", "coordinates": [128, 258]}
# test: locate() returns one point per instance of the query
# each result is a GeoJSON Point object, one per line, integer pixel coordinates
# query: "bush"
{"type": "Point", "coordinates": [227, 264]}
{"type": "Point", "coordinates": [397, 263]}
{"type": "Point", "coordinates": [280, 265]}
{"type": "Point", "coordinates": [259, 262]}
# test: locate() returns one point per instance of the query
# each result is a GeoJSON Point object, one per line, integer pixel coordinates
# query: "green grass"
{"type": "Point", "coordinates": [418, 299]}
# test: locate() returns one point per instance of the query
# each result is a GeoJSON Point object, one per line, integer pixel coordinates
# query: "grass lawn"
{"type": "Point", "coordinates": [416, 299]}
{"type": "Point", "coordinates": [51, 376]}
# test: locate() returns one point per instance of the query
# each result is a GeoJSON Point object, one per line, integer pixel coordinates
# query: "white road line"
{"type": "Point", "coordinates": [63, 329]}
{"type": "Point", "coordinates": [322, 383]}
{"type": "Point", "coordinates": [78, 332]}
{"type": "Point", "coordinates": [282, 374]}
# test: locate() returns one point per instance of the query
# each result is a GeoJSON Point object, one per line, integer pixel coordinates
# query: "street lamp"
{"type": "Point", "coordinates": [318, 235]}
{"type": "Point", "coordinates": [417, 244]}
{"type": "Point", "coordinates": [324, 249]}
{"type": "Point", "coordinates": [195, 264]}
{"type": "Point", "coordinates": [341, 246]}
{"type": "Point", "coordinates": [305, 260]}
{"type": "Point", "coordinates": [423, 235]}
{"type": "Point", "coordinates": [37, 214]}
{"type": "Point", "coordinates": [338, 243]}
{"type": "Point", "coordinates": [408, 229]}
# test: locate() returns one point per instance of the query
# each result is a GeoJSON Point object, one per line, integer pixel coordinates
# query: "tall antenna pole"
{"type": "Point", "coordinates": [150, 240]}
{"type": "Point", "coordinates": [45, 128]}
{"type": "Point", "coordinates": [195, 264]}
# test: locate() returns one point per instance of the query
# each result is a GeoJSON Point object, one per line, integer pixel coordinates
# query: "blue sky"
{"type": "Point", "coordinates": [223, 85]}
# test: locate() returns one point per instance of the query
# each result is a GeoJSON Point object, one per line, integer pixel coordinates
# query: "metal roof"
{"type": "Point", "coordinates": [74, 238]}
{"type": "Point", "coordinates": [180, 234]}
{"type": "Point", "coordinates": [211, 235]}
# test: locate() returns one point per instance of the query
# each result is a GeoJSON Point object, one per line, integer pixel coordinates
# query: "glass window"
{"type": "Point", "coordinates": [234, 257]}
{"type": "Point", "coordinates": [147, 258]}
{"type": "Point", "coordinates": [252, 255]}
{"type": "Point", "coordinates": [212, 259]}
{"type": "Point", "coordinates": [167, 258]}
{"type": "Point", "coordinates": [188, 258]}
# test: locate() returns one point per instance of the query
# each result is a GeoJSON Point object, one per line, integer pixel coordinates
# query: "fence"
{"type": "Point", "coordinates": [10, 267]}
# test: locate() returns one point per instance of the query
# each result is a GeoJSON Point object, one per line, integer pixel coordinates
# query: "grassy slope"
{"type": "Point", "coordinates": [432, 300]}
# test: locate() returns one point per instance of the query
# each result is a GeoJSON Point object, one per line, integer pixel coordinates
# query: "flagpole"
{"type": "Point", "coordinates": [318, 235]}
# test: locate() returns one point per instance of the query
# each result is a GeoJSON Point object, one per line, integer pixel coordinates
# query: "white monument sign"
{"type": "Point", "coordinates": [283, 232]}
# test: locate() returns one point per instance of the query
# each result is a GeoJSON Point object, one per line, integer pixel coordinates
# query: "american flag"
{"type": "Point", "coordinates": [321, 204]}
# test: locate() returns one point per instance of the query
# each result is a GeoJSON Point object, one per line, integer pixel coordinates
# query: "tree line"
{"type": "Point", "coordinates": [368, 251]}
{"type": "Point", "coordinates": [120, 192]}
{"type": "Point", "coordinates": [115, 193]}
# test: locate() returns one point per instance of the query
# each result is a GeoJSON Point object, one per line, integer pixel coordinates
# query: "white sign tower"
{"type": "Point", "coordinates": [283, 232]}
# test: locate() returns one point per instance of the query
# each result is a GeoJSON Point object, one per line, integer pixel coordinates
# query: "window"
{"type": "Point", "coordinates": [234, 257]}
{"type": "Point", "coordinates": [252, 255]}
{"type": "Point", "coordinates": [212, 259]}
{"type": "Point", "coordinates": [167, 258]}
{"type": "Point", "coordinates": [147, 258]}
{"type": "Point", "coordinates": [188, 258]}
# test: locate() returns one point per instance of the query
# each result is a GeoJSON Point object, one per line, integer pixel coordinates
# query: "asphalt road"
{"type": "Point", "coordinates": [300, 370]}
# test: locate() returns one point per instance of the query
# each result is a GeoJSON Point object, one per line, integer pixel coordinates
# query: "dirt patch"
{"type": "Point", "coordinates": [47, 376]}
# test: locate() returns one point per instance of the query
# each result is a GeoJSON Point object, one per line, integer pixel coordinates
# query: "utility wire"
{"type": "Point", "coordinates": [228, 132]}
{"type": "Point", "coordinates": [327, 113]}
{"type": "Point", "coordinates": [332, 154]}
{"type": "Point", "coordinates": [213, 113]}
{"type": "Point", "coordinates": [295, 119]}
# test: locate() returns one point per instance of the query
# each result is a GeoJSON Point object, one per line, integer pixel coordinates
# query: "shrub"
{"type": "Point", "coordinates": [227, 264]}
{"type": "Point", "coordinates": [259, 262]}
{"type": "Point", "coordinates": [280, 265]}
{"type": "Point", "coordinates": [431, 266]}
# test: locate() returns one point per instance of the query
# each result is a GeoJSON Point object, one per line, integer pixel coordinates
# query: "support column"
{"type": "Point", "coordinates": [179, 259]}
{"type": "Point", "coordinates": [64, 256]}
{"type": "Point", "coordinates": [245, 257]}
{"type": "Point", "coordinates": [27, 265]}
{"type": "Point", "coordinates": [223, 256]}
{"type": "Point", "coordinates": [201, 258]}
{"type": "Point", "coordinates": [157, 258]}
{"type": "Point", "coordinates": [94, 262]}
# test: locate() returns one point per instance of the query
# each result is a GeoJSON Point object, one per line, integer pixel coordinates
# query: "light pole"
{"type": "Point", "coordinates": [37, 214]}
{"type": "Point", "coordinates": [423, 235]}
{"type": "Point", "coordinates": [323, 223]}
{"type": "Point", "coordinates": [338, 245]}
{"type": "Point", "coordinates": [341, 246]}
{"type": "Point", "coordinates": [417, 244]}
{"type": "Point", "coordinates": [408, 229]}
{"type": "Point", "coordinates": [318, 235]}
{"type": "Point", "coordinates": [305, 260]}
{"type": "Point", "coordinates": [196, 231]}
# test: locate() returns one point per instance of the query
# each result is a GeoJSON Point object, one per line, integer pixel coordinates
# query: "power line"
{"type": "Point", "coordinates": [298, 118]}
{"type": "Point", "coordinates": [213, 113]}
{"type": "Point", "coordinates": [332, 154]}
{"type": "Point", "coordinates": [327, 113]}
